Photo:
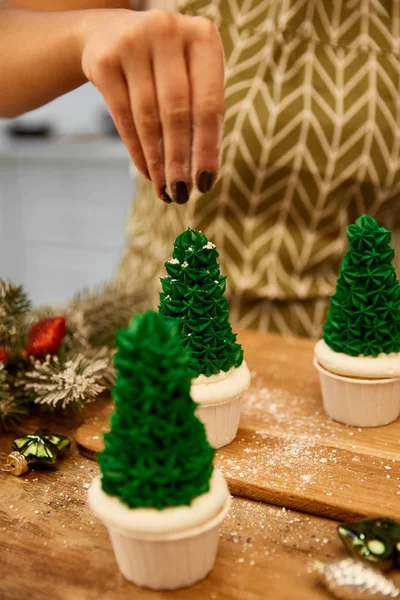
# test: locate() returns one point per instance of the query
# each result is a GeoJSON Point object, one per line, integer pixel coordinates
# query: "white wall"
{"type": "Point", "coordinates": [63, 202]}
{"type": "Point", "coordinates": [75, 113]}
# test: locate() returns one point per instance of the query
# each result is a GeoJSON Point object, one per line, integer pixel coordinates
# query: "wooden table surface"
{"type": "Point", "coordinates": [52, 547]}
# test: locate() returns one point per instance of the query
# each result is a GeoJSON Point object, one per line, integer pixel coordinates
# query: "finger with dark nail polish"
{"type": "Point", "coordinates": [205, 181]}
{"type": "Point", "coordinates": [164, 195]}
{"type": "Point", "coordinates": [180, 192]}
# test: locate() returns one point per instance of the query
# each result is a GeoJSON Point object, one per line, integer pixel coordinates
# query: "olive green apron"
{"type": "Point", "coordinates": [312, 140]}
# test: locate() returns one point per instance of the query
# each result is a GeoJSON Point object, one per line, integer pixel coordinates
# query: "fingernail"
{"type": "Point", "coordinates": [164, 195]}
{"type": "Point", "coordinates": [180, 192]}
{"type": "Point", "coordinates": [148, 175]}
{"type": "Point", "coordinates": [205, 181]}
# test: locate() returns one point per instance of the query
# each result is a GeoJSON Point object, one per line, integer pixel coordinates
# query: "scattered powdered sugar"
{"type": "Point", "coordinates": [290, 445]}
{"type": "Point", "coordinates": [185, 264]}
{"type": "Point", "coordinates": [174, 261]}
{"type": "Point", "coordinates": [306, 478]}
{"type": "Point", "coordinates": [55, 500]}
{"type": "Point", "coordinates": [209, 246]}
{"type": "Point", "coordinates": [257, 532]}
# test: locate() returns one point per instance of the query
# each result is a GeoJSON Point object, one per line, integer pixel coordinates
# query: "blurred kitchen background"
{"type": "Point", "coordinates": [65, 191]}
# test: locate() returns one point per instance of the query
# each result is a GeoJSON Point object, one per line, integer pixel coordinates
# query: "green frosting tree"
{"type": "Point", "coordinates": [364, 315]}
{"type": "Point", "coordinates": [156, 454]}
{"type": "Point", "coordinates": [193, 293]}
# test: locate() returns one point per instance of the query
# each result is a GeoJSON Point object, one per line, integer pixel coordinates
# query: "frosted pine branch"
{"type": "Point", "coordinates": [72, 383]}
{"type": "Point", "coordinates": [104, 310]}
{"type": "Point", "coordinates": [10, 409]}
{"type": "Point", "coordinates": [105, 354]}
{"type": "Point", "coordinates": [78, 330]}
{"type": "Point", "coordinates": [14, 304]}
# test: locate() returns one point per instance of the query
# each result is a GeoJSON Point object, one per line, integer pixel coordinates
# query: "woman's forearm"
{"type": "Point", "coordinates": [40, 57]}
{"type": "Point", "coordinates": [161, 76]}
{"type": "Point", "coordinates": [51, 5]}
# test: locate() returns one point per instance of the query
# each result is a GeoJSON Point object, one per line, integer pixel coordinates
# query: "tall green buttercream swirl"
{"type": "Point", "coordinates": [156, 454]}
{"type": "Point", "coordinates": [364, 315]}
{"type": "Point", "coordinates": [193, 292]}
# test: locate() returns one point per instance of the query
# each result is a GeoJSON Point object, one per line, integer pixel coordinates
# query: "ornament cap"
{"type": "Point", "coordinates": [16, 464]}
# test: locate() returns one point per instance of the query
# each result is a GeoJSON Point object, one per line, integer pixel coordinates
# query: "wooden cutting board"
{"type": "Point", "coordinates": [288, 452]}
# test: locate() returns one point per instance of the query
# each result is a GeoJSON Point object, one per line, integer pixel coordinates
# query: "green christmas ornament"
{"type": "Point", "coordinates": [156, 454]}
{"type": "Point", "coordinates": [376, 541]}
{"type": "Point", "coordinates": [193, 293]}
{"type": "Point", "coordinates": [364, 315]}
{"type": "Point", "coordinates": [42, 448]}
{"type": "Point", "coordinates": [61, 441]}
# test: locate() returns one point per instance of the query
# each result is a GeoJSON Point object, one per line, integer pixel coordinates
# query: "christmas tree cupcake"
{"type": "Point", "coordinates": [193, 293]}
{"type": "Point", "coordinates": [158, 494]}
{"type": "Point", "coordinates": [358, 358]}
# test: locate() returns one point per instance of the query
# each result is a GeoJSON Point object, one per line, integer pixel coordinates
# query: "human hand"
{"type": "Point", "coordinates": [161, 75]}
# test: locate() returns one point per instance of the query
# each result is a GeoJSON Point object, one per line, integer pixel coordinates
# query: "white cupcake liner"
{"type": "Point", "coordinates": [221, 420]}
{"type": "Point", "coordinates": [170, 563]}
{"type": "Point", "coordinates": [168, 549]}
{"type": "Point", "coordinates": [176, 560]}
{"type": "Point", "coordinates": [219, 399]}
{"type": "Point", "coordinates": [359, 402]}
